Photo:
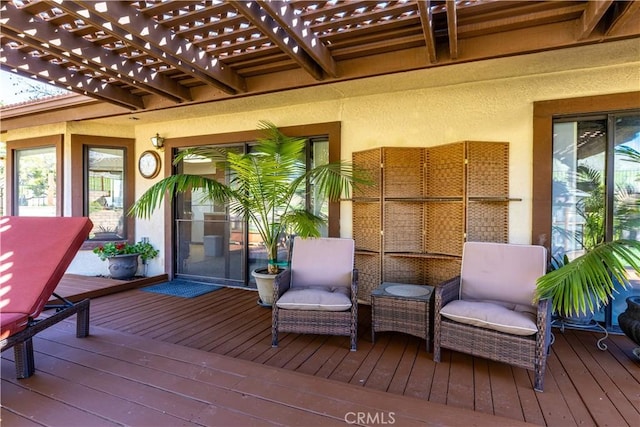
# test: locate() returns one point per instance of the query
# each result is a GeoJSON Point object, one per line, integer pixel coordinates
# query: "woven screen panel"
{"type": "Point", "coordinates": [366, 226]}
{"type": "Point", "coordinates": [444, 225]}
{"type": "Point", "coordinates": [403, 172]}
{"type": "Point", "coordinates": [368, 162]}
{"type": "Point", "coordinates": [403, 227]}
{"type": "Point", "coordinates": [368, 266]}
{"type": "Point", "coordinates": [444, 174]}
{"type": "Point", "coordinates": [488, 169]}
{"type": "Point", "coordinates": [488, 221]}
{"type": "Point", "coordinates": [438, 270]}
{"type": "Point", "coordinates": [403, 270]}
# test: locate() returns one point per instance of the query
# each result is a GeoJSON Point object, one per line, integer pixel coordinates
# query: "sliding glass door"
{"type": "Point", "coordinates": [213, 245]}
{"type": "Point", "coordinates": [596, 190]}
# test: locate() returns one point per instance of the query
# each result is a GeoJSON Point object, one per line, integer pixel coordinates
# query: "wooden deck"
{"type": "Point", "coordinates": [136, 333]}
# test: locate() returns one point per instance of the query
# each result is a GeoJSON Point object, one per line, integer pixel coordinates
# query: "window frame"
{"type": "Point", "coordinates": [79, 191]}
{"type": "Point", "coordinates": [12, 180]}
{"type": "Point", "coordinates": [544, 112]}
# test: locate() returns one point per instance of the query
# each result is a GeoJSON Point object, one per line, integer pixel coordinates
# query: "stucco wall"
{"type": "Point", "coordinates": [490, 100]}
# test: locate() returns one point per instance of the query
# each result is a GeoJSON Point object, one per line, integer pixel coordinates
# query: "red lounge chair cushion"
{"type": "Point", "coordinates": [34, 255]}
{"type": "Point", "coordinates": [12, 323]}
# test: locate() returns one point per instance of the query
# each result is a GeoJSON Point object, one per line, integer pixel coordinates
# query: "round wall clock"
{"type": "Point", "coordinates": [149, 164]}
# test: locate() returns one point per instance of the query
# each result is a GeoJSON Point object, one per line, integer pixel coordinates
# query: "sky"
{"type": "Point", "coordinates": [16, 89]}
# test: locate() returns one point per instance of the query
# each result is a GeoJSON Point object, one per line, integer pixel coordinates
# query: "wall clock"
{"type": "Point", "coordinates": [149, 164]}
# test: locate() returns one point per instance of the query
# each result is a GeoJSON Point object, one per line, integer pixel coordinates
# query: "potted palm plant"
{"type": "Point", "coordinates": [263, 185]}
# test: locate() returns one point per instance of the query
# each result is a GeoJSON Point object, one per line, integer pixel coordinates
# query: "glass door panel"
{"type": "Point", "coordinates": [626, 197]}
{"type": "Point", "coordinates": [210, 242]}
{"type": "Point", "coordinates": [596, 191]}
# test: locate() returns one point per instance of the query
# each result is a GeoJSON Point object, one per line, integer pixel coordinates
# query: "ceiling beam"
{"type": "Point", "coordinates": [452, 28]}
{"type": "Point", "coordinates": [283, 14]}
{"type": "Point", "coordinates": [39, 34]}
{"type": "Point", "coordinates": [627, 15]}
{"type": "Point", "coordinates": [27, 65]}
{"type": "Point", "coordinates": [124, 22]}
{"type": "Point", "coordinates": [426, 20]}
{"type": "Point", "coordinates": [591, 17]}
{"type": "Point", "coordinates": [269, 27]}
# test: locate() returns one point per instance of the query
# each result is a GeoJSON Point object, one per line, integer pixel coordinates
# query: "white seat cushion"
{"type": "Point", "coordinates": [491, 316]}
{"type": "Point", "coordinates": [319, 298]}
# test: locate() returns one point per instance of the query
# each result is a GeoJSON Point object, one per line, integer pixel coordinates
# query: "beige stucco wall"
{"type": "Point", "coordinates": [490, 100]}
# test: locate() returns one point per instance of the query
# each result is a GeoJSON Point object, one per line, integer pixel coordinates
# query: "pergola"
{"type": "Point", "coordinates": [151, 55]}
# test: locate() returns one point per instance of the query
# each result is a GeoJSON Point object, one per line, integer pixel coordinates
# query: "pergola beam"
{"type": "Point", "coordinates": [627, 15]}
{"type": "Point", "coordinates": [159, 42]}
{"type": "Point", "coordinates": [426, 19]}
{"type": "Point", "coordinates": [284, 15]}
{"type": "Point", "coordinates": [83, 53]}
{"type": "Point", "coordinates": [452, 28]}
{"type": "Point", "coordinates": [269, 27]}
{"type": "Point", "coordinates": [27, 65]}
{"type": "Point", "coordinates": [591, 17]}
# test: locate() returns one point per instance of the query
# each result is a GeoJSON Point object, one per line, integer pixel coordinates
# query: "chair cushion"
{"type": "Point", "coordinates": [325, 261]}
{"type": "Point", "coordinates": [491, 316]}
{"type": "Point", "coordinates": [318, 298]}
{"type": "Point", "coordinates": [35, 253]}
{"type": "Point", "coordinates": [501, 272]}
{"type": "Point", "coordinates": [12, 323]}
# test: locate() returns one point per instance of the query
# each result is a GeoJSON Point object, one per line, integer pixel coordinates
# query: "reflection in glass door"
{"type": "Point", "coordinates": [209, 241]}
{"type": "Point", "coordinates": [596, 190]}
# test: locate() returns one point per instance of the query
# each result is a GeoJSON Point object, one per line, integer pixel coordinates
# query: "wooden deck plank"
{"type": "Point", "coordinates": [461, 390]}
{"type": "Point", "coordinates": [560, 403]}
{"type": "Point", "coordinates": [527, 396]}
{"type": "Point", "coordinates": [602, 368]}
{"type": "Point", "coordinates": [30, 404]}
{"type": "Point", "coordinates": [505, 401]}
{"type": "Point", "coordinates": [601, 409]}
{"type": "Point", "coordinates": [229, 391]}
{"type": "Point", "coordinates": [9, 418]}
{"type": "Point", "coordinates": [483, 397]}
{"type": "Point", "coordinates": [403, 371]}
{"type": "Point", "coordinates": [229, 321]}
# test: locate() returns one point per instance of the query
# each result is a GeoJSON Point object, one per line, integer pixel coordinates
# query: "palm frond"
{"type": "Point", "coordinates": [169, 186]}
{"type": "Point", "coordinates": [591, 279]}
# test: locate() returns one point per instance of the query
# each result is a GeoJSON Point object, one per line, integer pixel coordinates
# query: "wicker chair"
{"type": "Point", "coordinates": [488, 310]}
{"type": "Point", "coordinates": [318, 294]}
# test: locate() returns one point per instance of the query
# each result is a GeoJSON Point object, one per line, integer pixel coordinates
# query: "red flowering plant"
{"type": "Point", "coordinates": [111, 249]}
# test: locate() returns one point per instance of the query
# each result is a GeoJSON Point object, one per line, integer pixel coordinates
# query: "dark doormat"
{"type": "Point", "coordinates": [182, 288]}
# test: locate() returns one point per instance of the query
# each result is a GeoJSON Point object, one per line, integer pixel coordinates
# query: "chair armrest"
{"type": "Point", "coordinates": [281, 284]}
{"type": "Point", "coordinates": [543, 320]}
{"type": "Point", "coordinates": [446, 292]}
{"type": "Point", "coordinates": [354, 286]}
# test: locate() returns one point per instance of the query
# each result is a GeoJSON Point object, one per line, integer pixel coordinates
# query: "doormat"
{"type": "Point", "coordinates": [182, 288]}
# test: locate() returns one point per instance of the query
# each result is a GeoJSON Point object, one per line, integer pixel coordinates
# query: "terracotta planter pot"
{"type": "Point", "coordinates": [123, 266]}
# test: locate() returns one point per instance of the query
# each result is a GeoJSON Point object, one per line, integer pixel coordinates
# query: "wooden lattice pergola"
{"type": "Point", "coordinates": [146, 55]}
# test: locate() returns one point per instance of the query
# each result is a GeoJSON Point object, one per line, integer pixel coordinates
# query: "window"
{"type": "Point", "coordinates": [34, 176]}
{"type": "Point", "coordinates": [105, 192]}
{"type": "Point", "coordinates": [102, 172]}
{"type": "Point", "coordinates": [586, 184]}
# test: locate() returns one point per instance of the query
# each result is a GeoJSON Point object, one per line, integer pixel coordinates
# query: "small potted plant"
{"type": "Point", "coordinates": [123, 257]}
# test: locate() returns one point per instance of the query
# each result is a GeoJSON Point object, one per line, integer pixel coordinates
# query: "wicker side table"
{"type": "Point", "coordinates": [402, 308]}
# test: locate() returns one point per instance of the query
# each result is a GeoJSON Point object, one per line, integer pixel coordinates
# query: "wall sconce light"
{"type": "Point", "coordinates": [157, 141]}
